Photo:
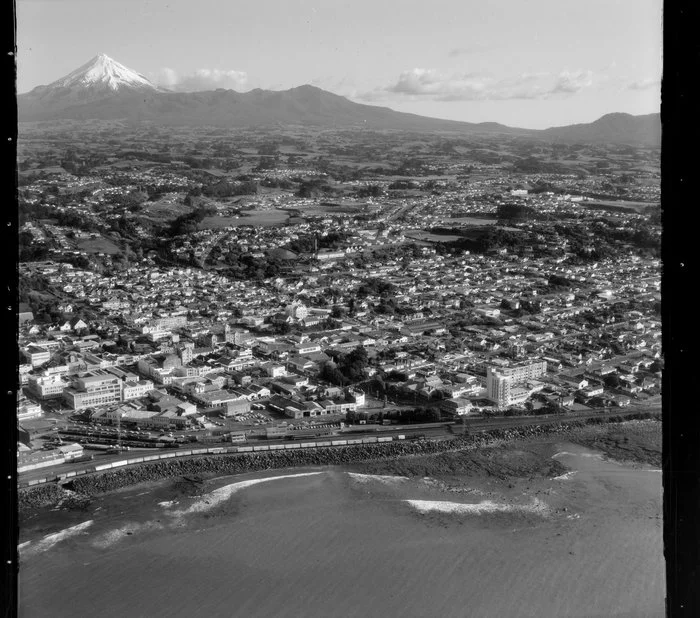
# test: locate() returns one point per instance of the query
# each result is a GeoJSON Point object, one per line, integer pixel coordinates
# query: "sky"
{"type": "Point", "coordinates": [524, 63]}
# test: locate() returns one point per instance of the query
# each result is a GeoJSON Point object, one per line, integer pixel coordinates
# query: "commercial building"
{"type": "Point", "coordinates": [27, 410]}
{"type": "Point", "coordinates": [98, 388]}
{"type": "Point", "coordinates": [27, 461]}
{"type": "Point", "coordinates": [456, 406]}
{"type": "Point", "coordinates": [36, 355]}
{"type": "Point", "coordinates": [234, 408]}
{"type": "Point", "coordinates": [214, 400]}
{"type": "Point", "coordinates": [135, 389]}
{"type": "Point", "coordinates": [46, 387]}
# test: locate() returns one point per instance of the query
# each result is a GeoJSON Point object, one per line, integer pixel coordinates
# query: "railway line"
{"type": "Point", "coordinates": [431, 431]}
{"type": "Point", "coordinates": [481, 425]}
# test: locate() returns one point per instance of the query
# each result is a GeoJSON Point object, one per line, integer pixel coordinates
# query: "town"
{"type": "Point", "coordinates": [250, 286]}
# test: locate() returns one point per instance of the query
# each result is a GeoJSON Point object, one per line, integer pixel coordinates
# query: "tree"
{"type": "Point", "coordinates": [330, 373]}
{"type": "Point", "coordinates": [377, 386]}
{"type": "Point", "coordinates": [369, 191]}
{"type": "Point", "coordinates": [338, 312]}
{"type": "Point", "coordinates": [612, 380]}
{"type": "Point", "coordinates": [283, 328]}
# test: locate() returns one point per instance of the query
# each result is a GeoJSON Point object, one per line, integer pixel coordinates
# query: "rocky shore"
{"type": "Point", "coordinates": [51, 494]}
{"type": "Point", "coordinates": [636, 442]}
{"type": "Point", "coordinates": [229, 464]}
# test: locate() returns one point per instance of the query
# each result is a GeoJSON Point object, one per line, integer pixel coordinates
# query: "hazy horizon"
{"type": "Point", "coordinates": [531, 65]}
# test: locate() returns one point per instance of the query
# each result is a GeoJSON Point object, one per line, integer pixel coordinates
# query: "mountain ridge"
{"type": "Point", "coordinates": [107, 90]}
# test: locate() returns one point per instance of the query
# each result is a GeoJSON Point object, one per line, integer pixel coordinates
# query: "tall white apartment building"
{"type": "Point", "coordinates": [504, 384]}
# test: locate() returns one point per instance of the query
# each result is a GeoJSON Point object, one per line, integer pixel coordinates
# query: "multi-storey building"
{"type": "Point", "coordinates": [135, 389]}
{"type": "Point", "coordinates": [186, 352]}
{"type": "Point", "coordinates": [498, 387]}
{"type": "Point", "coordinates": [36, 355]}
{"type": "Point", "coordinates": [522, 371]}
{"type": "Point", "coordinates": [46, 387]}
{"type": "Point", "coordinates": [94, 389]}
{"type": "Point", "coordinates": [160, 368]}
{"type": "Point", "coordinates": [169, 322]}
{"type": "Point", "coordinates": [504, 384]}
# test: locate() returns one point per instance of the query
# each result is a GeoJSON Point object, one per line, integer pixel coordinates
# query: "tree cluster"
{"type": "Point", "coordinates": [375, 287]}
{"type": "Point", "coordinates": [346, 368]}
{"type": "Point", "coordinates": [189, 222]}
{"type": "Point", "coordinates": [224, 188]}
{"type": "Point", "coordinates": [314, 187]}
{"type": "Point", "coordinates": [514, 212]}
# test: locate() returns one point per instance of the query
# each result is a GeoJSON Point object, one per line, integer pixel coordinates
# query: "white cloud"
{"type": "Point", "coordinates": [644, 84]}
{"type": "Point", "coordinates": [438, 86]}
{"type": "Point", "coordinates": [569, 83]}
{"type": "Point", "coordinates": [429, 82]}
{"type": "Point", "coordinates": [201, 79]}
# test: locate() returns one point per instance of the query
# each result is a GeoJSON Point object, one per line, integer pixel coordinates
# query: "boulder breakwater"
{"type": "Point", "coordinates": [230, 464]}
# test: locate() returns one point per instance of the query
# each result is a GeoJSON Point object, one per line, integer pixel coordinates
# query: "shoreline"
{"type": "Point", "coordinates": [79, 491]}
{"type": "Point", "coordinates": [598, 527]}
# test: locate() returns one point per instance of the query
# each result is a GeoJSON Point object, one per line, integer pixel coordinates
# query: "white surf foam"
{"type": "Point", "coordinates": [216, 497]}
{"type": "Point", "coordinates": [442, 486]}
{"type": "Point", "coordinates": [387, 479]}
{"type": "Point", "coordinates": [564, 477]}
{"type": "Point", "coordinates": [109, 538]}
{"type": "Point", "coordinates": [50, 540]}
{"type": "Point", "coordinates": [485, 507]}
{"type": "Point", "coordinates": [567, 454]}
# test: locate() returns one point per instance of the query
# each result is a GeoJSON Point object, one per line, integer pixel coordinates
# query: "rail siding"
{"type": "Point", "coordinates": [481, 428]}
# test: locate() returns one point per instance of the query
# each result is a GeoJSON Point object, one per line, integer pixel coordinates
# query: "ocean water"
{"type": "Point", "coordinates": [325, 542]}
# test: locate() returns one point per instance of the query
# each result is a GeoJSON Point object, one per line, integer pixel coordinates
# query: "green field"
{"type": "Point", "coordinates": [427, 236]}
{"type": "Point", "coordinates": [98, 245]}
{"type": "Point", "coordinates": [165, 209]}
{"type": "Point", "coordinates": [470, 221]}
{"type": "Point", "coordinates": [250, 217]}
{"type": "Point", "coordinates": [619, 204]}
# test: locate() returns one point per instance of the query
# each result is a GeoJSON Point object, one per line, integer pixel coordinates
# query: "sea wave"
{"type": "Point", "coordinates": [566, 453]}
{"type": "Point", "coordinates": [387, 479]}
{"type": "Point", "coordinates": [109, 538]}
{"type": "Point", "coordinates": [50, 540]}
{"type": "Point", "coordinates": [216, 497]}
{"type": "Point", "coordinates": [443, 486]}
{"type": "Point", "coordinates": [564, 477]}
{"type": "Point", "coordinates": [486, 507]}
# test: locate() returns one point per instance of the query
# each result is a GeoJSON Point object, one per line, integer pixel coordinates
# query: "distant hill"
{"type": "Point", "coordinates": [612, 128]}
{"type": "Point", "coordinates": [103, 89]}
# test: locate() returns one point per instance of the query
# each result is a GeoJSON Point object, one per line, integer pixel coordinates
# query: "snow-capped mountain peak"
{"type": "Point", "coordinates": [104, 73]}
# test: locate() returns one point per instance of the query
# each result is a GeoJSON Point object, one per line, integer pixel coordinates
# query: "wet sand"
{"type": "Point", "coordinates": [328, 542]}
